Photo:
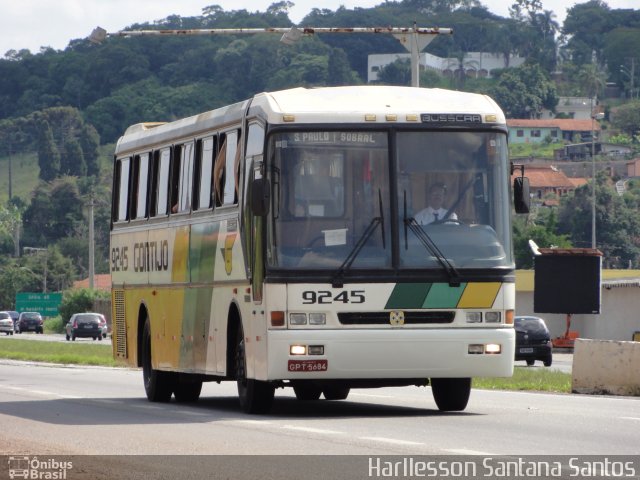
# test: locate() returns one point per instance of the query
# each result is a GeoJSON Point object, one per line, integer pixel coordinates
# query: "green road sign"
{"type": "Point", "coordinates": [44, 303]}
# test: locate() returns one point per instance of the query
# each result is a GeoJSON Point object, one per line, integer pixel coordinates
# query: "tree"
{"type": "Point", "coordinates": [89, 143]}
{"type": "Point", "coordinates": [54, 213]}
{"type": "Point", "coordinates": [524, 91]}
{"type": "Point", "coordinates": [627, 118]}
{"type": "Point", "coordinates": [48, 154]}
{"type": "Point", "coordinates": [72, 159]}
{"type": "Point", "coordinates": [617, 222]}
{"type": "Point", "coordinates": [585, 26]}
{"type": "Point", "coordinates": [397, 72]}
{"type": "Point", "coordinates": [541, 226]}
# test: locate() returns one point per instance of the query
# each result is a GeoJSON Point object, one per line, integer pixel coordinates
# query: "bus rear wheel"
{"type": "Point", "coordinates": [255, 396]}
{"type": "Point", "coordinates": [451, 394]}
{"type": "Point", "coordinates": [157, 385]}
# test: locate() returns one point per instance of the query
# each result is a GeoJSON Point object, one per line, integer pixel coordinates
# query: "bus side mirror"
{"type": "Point", "coordinates": [521, 198]}
{"type": "Point", "coordinates": [260, 197]}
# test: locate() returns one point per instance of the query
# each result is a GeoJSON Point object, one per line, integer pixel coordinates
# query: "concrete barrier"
{"type": "Point", "coordinates": [606, 367]}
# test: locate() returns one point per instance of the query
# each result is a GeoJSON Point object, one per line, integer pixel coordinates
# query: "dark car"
{"type": "Point", "coordinates": [533, 340]}
{"type": "Point", "coordinates": [30, 322]}
{"type": "Point", "coordinates": [84, 325]}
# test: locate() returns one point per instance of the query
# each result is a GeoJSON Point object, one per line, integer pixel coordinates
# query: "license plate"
{"type": "Point", "coordinates": [308, 365]}
{"type": "Point", "coordinates": [526, 350]}
{"type": "Point", "coordinates": [88, 326]}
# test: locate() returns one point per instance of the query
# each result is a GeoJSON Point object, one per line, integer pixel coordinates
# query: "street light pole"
{"type": "Point", "coordinates": [631, 74]}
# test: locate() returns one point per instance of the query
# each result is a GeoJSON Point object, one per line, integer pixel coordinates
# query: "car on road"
{"type": "Point", "coordinates": [6, 323]}
{"type": "Point", "coordinates": [533, 340]}
{"type": "Point", "coordinates": [30, 322]}
{"type": "Point", "coordinates": [14, 316]}
{"type": "Point", "coordinates": [85, 325]}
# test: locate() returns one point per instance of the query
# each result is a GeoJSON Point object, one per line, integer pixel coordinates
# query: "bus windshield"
{"type": "Point", "coordinates": [332, 200]}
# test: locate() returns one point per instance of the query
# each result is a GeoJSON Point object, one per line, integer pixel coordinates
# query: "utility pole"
{"type": "Point", "coordinates": [91, 244]}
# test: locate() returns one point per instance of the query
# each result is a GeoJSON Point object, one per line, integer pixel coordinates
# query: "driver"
{"type": "Point", "coordinates": [435, 211]}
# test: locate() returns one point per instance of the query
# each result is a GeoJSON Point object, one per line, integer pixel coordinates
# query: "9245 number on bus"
{"type": "Point", "coordinates": [327, 297]}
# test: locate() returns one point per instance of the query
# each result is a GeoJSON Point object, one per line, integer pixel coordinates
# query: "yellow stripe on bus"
{"type": "Point", "coordinates": [479, 295]}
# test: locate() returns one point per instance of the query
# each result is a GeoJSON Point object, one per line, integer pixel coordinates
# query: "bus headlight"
{"type": "Point", "coordinates": [298, 318]}
{"type": "Point", "coordinates": [317, 319]}
{"type": "Point", "coordinates": [492, 317]}
{"type": "Point", "coordinates": [474, 317]}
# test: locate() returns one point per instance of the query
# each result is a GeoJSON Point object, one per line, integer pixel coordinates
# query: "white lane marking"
{"type": "Point", "coordinates": [41, 392]}
{"type": "Point", "coordinates": [630, 418]}
{"type": "Point", "coordinates": [312, 430]}
{"type": "Point", "coordinates": [390, 440]}
{"type": "Point", "coordinates": [372, 395]}
{"type": "Point", "coordinates": [465, 451]}
{"type": "Point", "coordinates": [249, 422]}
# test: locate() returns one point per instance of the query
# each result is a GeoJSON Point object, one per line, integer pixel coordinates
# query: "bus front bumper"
{"type": "Point", "coordinates": [390, 353]}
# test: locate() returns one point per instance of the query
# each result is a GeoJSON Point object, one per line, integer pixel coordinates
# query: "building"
{"type": "Point", "coordinates": [547, 179]}
{"type": "Point", "coordinates": [100, 282]}
{"type": "Point", "coordinates": [474, 64]}
{"type": "Point", "coordinates": [577, 108]}
{"type": "Point", "coordinates": [633, 168]}
{"type": "Point", "coordinates": [524, 130]}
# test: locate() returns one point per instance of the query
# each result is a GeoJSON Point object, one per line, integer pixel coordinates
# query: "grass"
{"type": "Point", "coordinates": [531, 379]}
{"type": "Point", "coordinates": [57, 352]}
{"type": "Point", "coordinates": [524, 378]}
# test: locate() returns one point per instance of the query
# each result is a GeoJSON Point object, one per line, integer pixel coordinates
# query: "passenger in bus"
{"type": "Point", "coordinates": [435, 211]}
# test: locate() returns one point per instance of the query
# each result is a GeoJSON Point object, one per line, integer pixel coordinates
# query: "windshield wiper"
{"type": "Point", "coordinates": [411, 224]}
{"type": "Point", "coordinates": [338, 278]}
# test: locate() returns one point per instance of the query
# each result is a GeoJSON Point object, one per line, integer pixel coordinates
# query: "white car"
{"type": "Point", "coordinates": [6, 323]}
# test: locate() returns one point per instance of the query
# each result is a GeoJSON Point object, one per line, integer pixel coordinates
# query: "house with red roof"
{"type": "Point", "coordinates": [524, 130]}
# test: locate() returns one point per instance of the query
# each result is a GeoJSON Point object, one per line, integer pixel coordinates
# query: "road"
{"type": "Point", "coordinates": [87, 410]}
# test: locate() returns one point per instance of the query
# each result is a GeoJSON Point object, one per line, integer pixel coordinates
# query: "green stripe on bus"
{"type": "Point", "coordinates": [442, 295]}
{"type": "Point", "coordinates": [408, 295]}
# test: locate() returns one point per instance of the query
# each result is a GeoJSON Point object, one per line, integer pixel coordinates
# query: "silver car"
{"type": "Point", "coordinates": [6, 323]}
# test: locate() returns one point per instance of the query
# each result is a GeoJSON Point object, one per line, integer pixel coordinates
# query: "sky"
{"type": "Point", "coordinates": [32, 24]}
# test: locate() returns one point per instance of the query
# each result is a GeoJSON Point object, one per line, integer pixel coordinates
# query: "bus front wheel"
{"type": "Point", "coordinates": [157, 385]}
{"type": "Point", "coordinates": [451, 394]}
{"type": "Point", "coordinates": [255, 396]}
{"type": "Point", "coordinates": [187, 388]}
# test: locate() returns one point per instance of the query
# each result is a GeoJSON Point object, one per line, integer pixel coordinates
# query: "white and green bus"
{"type": "Point", "coordinates": [276, 243]}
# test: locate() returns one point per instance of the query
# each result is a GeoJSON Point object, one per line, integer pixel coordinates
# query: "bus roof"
{"type": "Point", "coordinates": [356, 104]}
{"type": "Point", "coordinates": [319, 105]}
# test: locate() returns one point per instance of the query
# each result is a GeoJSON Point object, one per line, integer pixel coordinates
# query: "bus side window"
{"type": "Point", "coordinates": [226, 171]}
{"type": "Point", "coordinates": [121, 183]}
{"type": "Point", "coordinates": [160, 182]}
{"type": "Point", "coordinates": [203, 177]}
{"type": "Point", "coordinates": [218, 171]}
{"type": "Point", "coordinates": [185, 177]}
{"type": "Point", "coordinates": [140, 186]}
{"type": "Point", "coordinates": [229, 179]}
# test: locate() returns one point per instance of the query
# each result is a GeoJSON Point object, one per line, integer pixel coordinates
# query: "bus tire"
{"type": "Point", "coordinates": [451, 394]}
{"type": "Point", "coordinates": [307, 393]}
{"type": "Point", "coordinates": [157, 385]}
{"type": "Point", "coordinates": [255, 396]}
{"type": "Point", "coordinates": [336, 393]}
{"type": "Point", "coordinates": [187, 389]}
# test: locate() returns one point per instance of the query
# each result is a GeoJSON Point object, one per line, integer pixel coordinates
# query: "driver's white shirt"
{"type": "Point", "coordinates": [428, 215]}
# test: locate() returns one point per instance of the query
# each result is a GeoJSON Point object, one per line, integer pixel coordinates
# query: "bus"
{"type": "Point", "coordinates": [275, 243]}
